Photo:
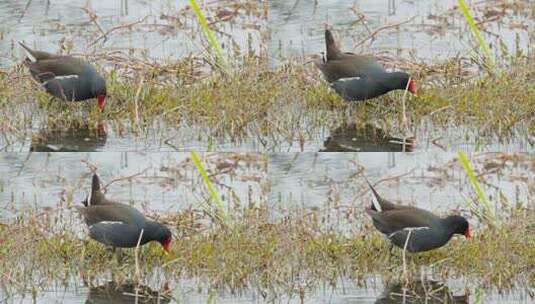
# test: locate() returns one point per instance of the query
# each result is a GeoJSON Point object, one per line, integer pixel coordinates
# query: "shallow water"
{"type": "Point", "coordinates": [438, 292]}
{"type": "Point", "coordinates": [159, 182]}
{"type": "Point", "coordinates": [430, 180]}
{"type": "Point", "coordinates": [161, 137]}
{"type": "Point", "coordinates": [168, 182]}
{"type": "Point", "coordinates": [296, 30]}
{"type": "Point", "coordinates": [322, 182]}
{"type": "Point", "coordinates": [425, 30]}
{"type": "Point", "coordinates": [164, 34]}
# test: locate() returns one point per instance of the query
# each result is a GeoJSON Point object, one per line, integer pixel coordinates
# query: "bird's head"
{"type": "Point", "coordinates": [411, 86]}
{"type": "Point", "coordinates": [99, 90]}
{"type": "Point", "coordinates": [460, 225]}
{"type": "Point", "coordinates": [165, 239]}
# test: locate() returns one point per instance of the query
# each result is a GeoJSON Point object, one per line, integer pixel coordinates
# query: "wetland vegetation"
{"type": "Point", "coordinates": [254, 104]}
{"type": "Point", "coordinates": [275, 227]}
{"type": "Point", "coordinates": [274, 250]}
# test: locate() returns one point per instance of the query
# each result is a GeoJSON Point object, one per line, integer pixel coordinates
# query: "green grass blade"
{"type": "Point", "coordinates": [209, 186]}
{"type": "Point", "coordinates": [211, 298]}
{"type": "Point", "coordinates": [482, 43]}
{"type": "Point", "coordinates": [488, 213]}
{"type": "Point", "coordinates": [208, 33]}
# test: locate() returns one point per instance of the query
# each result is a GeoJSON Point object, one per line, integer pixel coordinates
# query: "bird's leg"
{"type": "Point", "coordinates": [71, 106]}
{"type": "Point", "coordinates": [118, 255]}
{"type": "Point", "coordinates": [390, 253]}
{"type": "Point", "coordinates": [405, 273]}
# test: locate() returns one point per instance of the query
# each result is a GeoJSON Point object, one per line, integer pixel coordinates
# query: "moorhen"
{"type": "Point", "coordinates": [119, 225]}
{"type": "Point", "coordinates": [66, 77]}
{"type": "Point", "coordinates": [427, 231]}
{"type": "Point", "coordinates": [359, 77]}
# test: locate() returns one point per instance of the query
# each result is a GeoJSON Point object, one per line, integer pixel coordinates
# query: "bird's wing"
{"type": "Point", "coordinates": [115, 234]}
{"type": "Point", "coordinates": [33, 55]}
{"type": "Point", "coordinates": [58, 67]}
{"type": "Point", "coordinates": [363, 65]}
{"type": "Point", "coordinates": [373, 68]}
{"type": "Point", "coordinates": [68, 88]}
{"type": "Point", "coordinates": [414, 231]}
{"type": "Point", "coordinates": [112, 213]}
{"type": "Point", "coordinates": [405, 217]}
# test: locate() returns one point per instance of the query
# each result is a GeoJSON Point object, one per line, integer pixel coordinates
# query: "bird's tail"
{"type": "Point", "coordinates": [332, 51]}
{"type": "Point", "coordinates": [29, 52]}
{"type": "Point", "coordinates": [95, 197]}
{"type": "Point", "coordinates": [376, 199]}
{"type": "Point", "coordinates": [378, 203]}
{"type": "Point", "coordinates": [33, 55]}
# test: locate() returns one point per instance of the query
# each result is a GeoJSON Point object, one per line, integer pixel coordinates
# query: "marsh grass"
{"type": "Point", "coordinates": [209, 35]}
{"type": "Point", "coordinates": [489, 58]}
{"type": "Point", "coordinates": [292, 255]}
{"type": "Point", "coordinates": [278, 107]}
{"type": "Point", "coordinates": [485, 212]}
{"type": "Point", "coordinates": [220, 211]}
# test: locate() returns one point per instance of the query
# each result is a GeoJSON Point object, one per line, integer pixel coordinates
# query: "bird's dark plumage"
{"type": "Point", "coordinates": [119, 225]}
{"type": "Point", "coordinates": [359, 77]}
{"type": "Point", "coordinates": [96, 197]}
{"type": "Point", "coordinates": [66, 77]}
{"type": "Point", "coordinates": [427, 231]}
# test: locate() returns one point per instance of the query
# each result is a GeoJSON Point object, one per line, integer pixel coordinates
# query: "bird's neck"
{"type": "Point", "coordinates": [448, 226]}
{"type": "Point", "coordinates": [151, 230]}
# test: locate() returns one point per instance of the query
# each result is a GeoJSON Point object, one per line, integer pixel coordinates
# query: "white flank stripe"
{"type": "Point", "coordinates": [349, 79]}
{"type": "Point", "coordinates": [59, 78]}
{"type": "Point", "coordinates": [89, 198]}
{"type": "Point", "coordinates": [66, 76]}
{"type": "Point", "coordinates": [30, 56]}
{"type": "Point", "coordinates": [408, 229]}
{"type": "Point", "coordinates": [106, 223]}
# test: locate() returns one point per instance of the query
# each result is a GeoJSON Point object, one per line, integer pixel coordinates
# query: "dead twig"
{"type": "Point", "coordinates": [124, 178]}
{"type": "Point", "coordinates": [93, 18]}
{"type": "Point", "coordinates": [382, 28]}
{"type": "Point", "coordinates": [136, 101]}
{"type": "Point", "coordinates": [136, 254]}
{"type": "Point", "coordinates": [25, 9]}
{"type": "Point", "coordinates": [121, 26]}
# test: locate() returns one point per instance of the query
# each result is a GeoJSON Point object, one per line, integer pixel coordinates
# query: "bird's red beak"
{"type": "Point", "coordinates": [467, 233]}
{"type": "Point", "coordinates": [167, 245]}
{"type": "Point", "coordinates": [101, 101]}
{"type": "Point", "coordinates": [412, 87]}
